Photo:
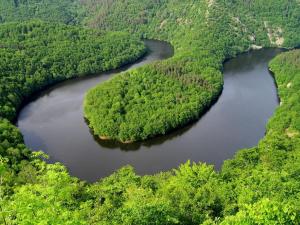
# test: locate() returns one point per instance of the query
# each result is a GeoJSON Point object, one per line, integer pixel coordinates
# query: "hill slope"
{"type": "Point", "coordinates": [67, 11]}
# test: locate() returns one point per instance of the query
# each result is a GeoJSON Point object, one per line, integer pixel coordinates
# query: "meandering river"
{"type": "Point", "coordinates": [53, 122]}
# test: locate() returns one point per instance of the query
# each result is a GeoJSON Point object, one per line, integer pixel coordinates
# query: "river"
{"type": "Point", "coordinates": [53, 122]}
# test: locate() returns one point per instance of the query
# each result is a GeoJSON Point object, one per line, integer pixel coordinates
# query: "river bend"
{"type": "Point", "coordinates": [53, 122]}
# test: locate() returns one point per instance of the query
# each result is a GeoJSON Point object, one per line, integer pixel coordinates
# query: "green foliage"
{"type": "Point", "coordinates": [67, 11]}
{"type": "Point", "coordinates": [264, 212]}
{"type": "Point", "coordinates": [267, 21]}
{"type": "Point", "coordinates": [50, 199]}
{"type": "Point", "coordinates": [251, 20]}
{"type": "Point", "coordinates": [11, 144]}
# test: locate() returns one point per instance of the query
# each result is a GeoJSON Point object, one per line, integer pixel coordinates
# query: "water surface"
{"type": "Point", "coordinates": [54, 123]}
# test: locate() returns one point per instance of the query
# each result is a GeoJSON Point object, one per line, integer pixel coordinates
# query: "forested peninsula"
{"type": "Point", "coordinates": [260, 185]}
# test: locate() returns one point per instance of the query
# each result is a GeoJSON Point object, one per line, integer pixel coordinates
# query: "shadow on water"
{"type": "Point", "coordinates": [155, 141]}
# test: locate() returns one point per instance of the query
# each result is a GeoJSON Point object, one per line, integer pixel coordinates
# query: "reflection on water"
{"type": "Point", "coordinates": [137, 145]}
{"type": "Point", "coordinates": [54, 122]}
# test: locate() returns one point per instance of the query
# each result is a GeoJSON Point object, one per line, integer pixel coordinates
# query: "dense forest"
{"type": "Point", "coordinates": [260, 22]}
{"type": "Point", "coordinates": [150, 101]}
{"type": "Point", "coordinates": [66, 11]}
{"type": "Point", "coordinates": [260, 185]}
